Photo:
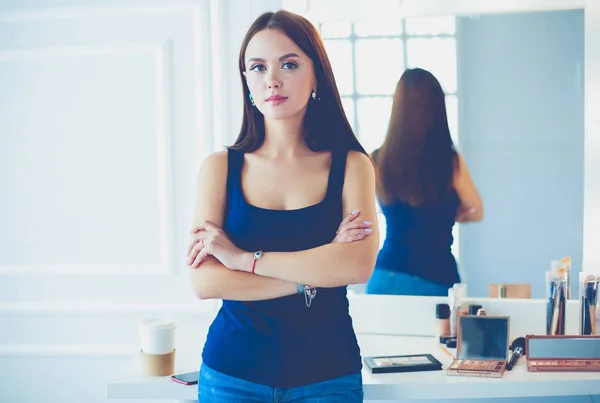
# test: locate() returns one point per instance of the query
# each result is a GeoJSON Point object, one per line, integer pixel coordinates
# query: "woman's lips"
{"type": "Point", "coordinates": [276, 99]}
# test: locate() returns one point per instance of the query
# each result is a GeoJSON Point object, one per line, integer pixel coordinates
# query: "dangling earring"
{"type": "Point", "coordinates": [314, 95]}
{"type": "Point", "coordinates": [251, 99]}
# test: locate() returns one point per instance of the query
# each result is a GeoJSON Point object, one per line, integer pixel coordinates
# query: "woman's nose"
{"type": "Point", "coordinates": [273, 81]}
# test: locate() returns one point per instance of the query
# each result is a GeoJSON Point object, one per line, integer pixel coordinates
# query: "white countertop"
{"type": "Point", "coordinates": [132, 384]}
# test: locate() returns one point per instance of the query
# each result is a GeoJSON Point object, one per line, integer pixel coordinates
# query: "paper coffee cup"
{"type": "Point", "coordinates": [157, 336]}
{"type": "Point", "coordinates": [158, 364]}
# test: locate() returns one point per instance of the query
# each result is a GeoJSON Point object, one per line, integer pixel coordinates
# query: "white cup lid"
{"type": "Point", "coordinates": [157, 324]}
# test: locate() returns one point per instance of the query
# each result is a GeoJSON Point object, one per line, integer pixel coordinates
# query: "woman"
{"type": "Point", "coordinates": [423, 187]}
{"type": "Point", "coordinates": [266, 214]}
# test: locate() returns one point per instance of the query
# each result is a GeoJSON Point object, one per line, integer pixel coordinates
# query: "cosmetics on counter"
{"type": "Point", "coordinates": [588, 298]}
{"type": "Point", "coordinates": [442, 319]}
{"type": "Point", "coordinates": [482, 347]}
{"type": "Point", "coordinates": [563, 353]}
{"type": "Point", "coordinates": [473, 309]}
{"type": "Point", "coordinates": [566, 264]}
{"type": "Point", "coordinates": [556, 300]}
{"type": "Point", "coordinates": [518, 348]}
{"type": "Point", "coordinates": [402, 363]}
{"type": "Point", "coordinates": [455, 296]}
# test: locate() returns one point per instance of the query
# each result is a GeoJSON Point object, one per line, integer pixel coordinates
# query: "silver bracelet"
{"type": "Point", "coordinates": [308, 291]}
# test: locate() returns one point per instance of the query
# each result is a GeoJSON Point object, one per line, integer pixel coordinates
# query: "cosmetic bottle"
{"type": "Point", "coordinates": [455, 297]}
{"type": "Point", "coordinates": [442, 321]}
{"type": "Point", "coordinates": [462, 294]}
{"type": "Point", "coordinates": [474, 308]}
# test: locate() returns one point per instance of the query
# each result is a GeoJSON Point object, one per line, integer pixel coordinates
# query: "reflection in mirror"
{"type": "Point", "coordinates": [514, 100]}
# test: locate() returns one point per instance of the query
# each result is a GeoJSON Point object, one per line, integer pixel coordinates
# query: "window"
{"type": "Point", "coordinates": [368, 59]}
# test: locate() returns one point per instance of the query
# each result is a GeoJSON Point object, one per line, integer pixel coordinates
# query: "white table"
{"type": "Point", "coordinates": [132, 384]}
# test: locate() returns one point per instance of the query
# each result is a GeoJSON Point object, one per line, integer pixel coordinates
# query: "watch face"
{"type": "Point", "coordinates": [257, 255]}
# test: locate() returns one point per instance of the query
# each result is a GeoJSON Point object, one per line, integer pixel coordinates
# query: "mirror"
{"type": "Point", "coordinates": [515, 104]}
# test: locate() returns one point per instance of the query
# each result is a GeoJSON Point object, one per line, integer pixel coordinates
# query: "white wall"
{"type": "Point", "coordinates": [106, 110]}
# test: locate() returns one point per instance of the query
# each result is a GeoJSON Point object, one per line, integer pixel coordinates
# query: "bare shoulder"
{"type": "Point", "coordinates": [358, 163]}
{"type": "Point", "coordinates": [216, 162]}
{"type": "Point", "coordinates": [211, 189]}
{"type": "Point", "coordinates": [359, 192]}
{"type": "Point", "coordinates": [212, 174]}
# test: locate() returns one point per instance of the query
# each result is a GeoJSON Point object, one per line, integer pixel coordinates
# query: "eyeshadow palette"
{"type": "Point", "coordinates": [563, 365]}
{"type": "Point", "coordinates": [482, 347]}
{"type": "Point", "coordinates": [402, 363]}
{"type": "Point", "coordinates": [563, 353]}
{"type": "Point", "coordinates": [477, 365]}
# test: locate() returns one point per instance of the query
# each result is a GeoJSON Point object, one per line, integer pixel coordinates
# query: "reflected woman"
{"type": "Point", "coordinates": [424, 188]}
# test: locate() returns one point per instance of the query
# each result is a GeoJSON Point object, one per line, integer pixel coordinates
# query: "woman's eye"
{"type": "Point", "coordinates": [258, 67]}
{"type": "Point", "coordinates": [289, 65]}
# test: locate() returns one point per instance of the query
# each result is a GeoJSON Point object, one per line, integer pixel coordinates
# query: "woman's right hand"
{"type": "Point", "coordinates": [352, 230]}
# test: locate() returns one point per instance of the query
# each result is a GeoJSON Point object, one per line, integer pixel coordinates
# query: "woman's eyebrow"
{"type": "Point", "coordinates": [286, 56]}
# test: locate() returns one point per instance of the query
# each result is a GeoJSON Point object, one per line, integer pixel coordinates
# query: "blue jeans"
{"type": "Point", "coordinates": [215, 387]}
{"type": "Point", "coordinates": [397, 283]}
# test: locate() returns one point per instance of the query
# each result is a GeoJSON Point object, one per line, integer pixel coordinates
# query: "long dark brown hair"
{"type": "Point", "coordinates": [417, 160]}
{"type": "Point", "coordinates": [325, 124]}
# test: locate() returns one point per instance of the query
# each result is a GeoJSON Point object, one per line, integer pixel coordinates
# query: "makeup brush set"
{"type": "Point", "coordinates": [556, 294]}
{"type": "Point", "coordinates": [588, 298]}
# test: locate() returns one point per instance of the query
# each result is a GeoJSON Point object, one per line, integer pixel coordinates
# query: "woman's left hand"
{"type": "Point", "coordinates": [208, 239]}
{"type": "Point", "coordinates": [351, 230]}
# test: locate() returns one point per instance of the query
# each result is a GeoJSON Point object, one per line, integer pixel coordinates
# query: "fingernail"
{"type": "Point", "coordinates": [359, 235]}
{"type": "Point", "coordinates": [367, 222]}
{"type": "Point", "coordinates": [355, 211]}
{"type": "Point", "coordinates": [368, 230]}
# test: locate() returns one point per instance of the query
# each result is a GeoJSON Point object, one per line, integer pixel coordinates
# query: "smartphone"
{"type": "Point", "coordinates": [188, 378]}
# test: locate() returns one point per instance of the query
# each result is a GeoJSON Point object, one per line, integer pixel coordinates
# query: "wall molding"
{"type": "Point", "coordinates": [108, 49]}
{"type": "Point", "coordinates": [68, 350]}
{"type": "Point", "coordinates": [161, 52]}
{"type": "Point", "coordinates": [99, 10]}
{"type": "Point", "coordinates": [165, 169]}
{"type": "Point", "coordinates": [84, 270]}
{"type": "Point", "coordinates": [195, 307]}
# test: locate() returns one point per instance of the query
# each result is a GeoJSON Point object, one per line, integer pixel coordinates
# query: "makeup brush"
{"type": "Point", "coordinates": [518, 349]}
{"type": "Point", "coordinates": [591, 296]}
{"type": "Point", "coordinates": [550, 303]}
{"type": "Point", "coordinates": [556, 308]}
{"type": "Point", "coordinates": [564, 280]}
{"type": "Point", "coordinates": [584, 324]}
{"type": "Point", "coordinates": [558, 314]}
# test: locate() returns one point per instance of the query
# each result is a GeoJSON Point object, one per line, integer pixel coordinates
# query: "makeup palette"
{"type": "Point", "coordinates": [563, 353]}
{"type": "Point", "coordinates": [402, 363]}
{"type": "Point", "coordinates": [482, 348]}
